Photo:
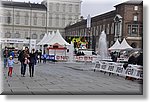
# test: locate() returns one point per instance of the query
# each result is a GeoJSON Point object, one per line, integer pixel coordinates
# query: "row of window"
{"type": "Point", "coordinates": [63, 16]}
{"type": "Point", "coordinates": [18, 35]}
{"type": "Point", "coordinates": [61, 22]}
{"type": "Point", "coordinates": [133, 30]}
{"type": "Point", "coordinates": [64, 7]}
{"type": "Point", "coordinates": [19, 19]}
{"type": "Point", "coordinates": [96, 30]}
{"type": "Point", "coordinates": [35, 20]}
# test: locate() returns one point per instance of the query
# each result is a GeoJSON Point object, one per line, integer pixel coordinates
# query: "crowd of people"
{"type": "Point", "coordinates": [30, 59]}
{"type": "Point", "coordinates": [136, 59]}
{"type": "Point", "coordinates": [24, 57]}
{"type": "Point", "coordinates": [133, 59]}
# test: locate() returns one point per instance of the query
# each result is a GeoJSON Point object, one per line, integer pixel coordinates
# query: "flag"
{"type": "Point", "coordinates": [88, 21]}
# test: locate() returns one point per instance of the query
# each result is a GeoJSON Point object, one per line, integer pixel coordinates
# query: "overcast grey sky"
{"type": "Point", "coordinates": [92, 7]}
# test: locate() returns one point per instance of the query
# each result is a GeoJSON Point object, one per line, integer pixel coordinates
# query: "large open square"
{"type": "Point", "coordinates": [67, 78]}
{"type": "Point", "coordinates": [72, 47]}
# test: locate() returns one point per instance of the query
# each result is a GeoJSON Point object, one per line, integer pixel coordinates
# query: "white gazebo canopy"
{"type": "Point", "coordinates": [115, 45]}
{"type": "Point", "coordinates": [124, 45]}
{"type": "Point", "coordinates": [43, 39]}
{"type": "Point", "coordinates": [57, 38]}
{"type": "Point", "coordinates": [49, 38]}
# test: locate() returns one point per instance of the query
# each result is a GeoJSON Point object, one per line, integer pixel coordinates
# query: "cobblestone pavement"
{"type": "Point", "coordinates": [68, 79]}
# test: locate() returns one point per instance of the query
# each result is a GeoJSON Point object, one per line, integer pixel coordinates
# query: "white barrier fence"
{"type": "Point", "coordinates": [85, 58]}
{"type": "Point", "coordinates": [75, 58]}
{"type": "Point", "coordinates": [134, 71]}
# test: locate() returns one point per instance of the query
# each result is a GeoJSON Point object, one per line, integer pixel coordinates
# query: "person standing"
{"type": "Point", "coordinates": [10, 65]}
{"type": "Point", "coordinates": [12, 53]}
{"type": "Point", "coordinates": [36, 56]}
{"type": "Point", "coordinates": [140, 59]}
{"type": "Point", "coordinates": [5, 55]}
{"type": "Point", "coordinates": [23, 54]}
{"type": "Point", "coordinates": [32, 62]}
{"type": "Point", "coordinates": [75, 44]}
{"type": "Point", "coordinates": [132, 59]}
{"type": "Point", "coordinates": [44, 58]}
{"type": "Point", "coordinates": [40, 54]}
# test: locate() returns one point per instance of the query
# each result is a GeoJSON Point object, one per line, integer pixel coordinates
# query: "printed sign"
{"type": "Point", "coordinates": [84, 58]}
{"type": "Point", "coordinates": [134, 71]}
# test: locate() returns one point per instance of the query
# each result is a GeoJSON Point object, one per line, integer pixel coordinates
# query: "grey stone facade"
{"type": "Point", "coordinates": [32, 20]}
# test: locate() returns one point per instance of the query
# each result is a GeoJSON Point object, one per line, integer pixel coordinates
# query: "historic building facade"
{"type": "Point", "coordinates": [32, 20]}
{"type": "Point", "coordinates": [126, 21]}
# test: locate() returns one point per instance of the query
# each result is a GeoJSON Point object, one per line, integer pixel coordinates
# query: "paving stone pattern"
{"type": "Point", "coordinates": [67, 79]}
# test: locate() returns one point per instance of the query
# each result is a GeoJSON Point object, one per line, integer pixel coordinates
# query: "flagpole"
{"type": "Point", "coordinates": [89, 29]}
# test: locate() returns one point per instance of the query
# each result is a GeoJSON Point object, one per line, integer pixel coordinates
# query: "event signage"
{"type": "Point", "coordinates": [134, 71]}
{"type": "Point", "coordinates": [49, 57]}
{"type": "Point", "coordinates": [61, 58]}
{"type": "Point", "coordinates": [31, 42]}
{"type": "Point", "coordinates": [84, 58]}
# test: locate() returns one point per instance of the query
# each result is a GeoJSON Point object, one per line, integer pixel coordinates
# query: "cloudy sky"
{"type": "Point", "coordinates": [92, 7]}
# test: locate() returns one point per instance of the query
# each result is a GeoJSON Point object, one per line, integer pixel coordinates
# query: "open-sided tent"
{"type": "Point", "coordinates": [115, 46]}
{"type": "Point", "coordinates": [57, 38]}
{"type": "Point", "coordinates": [48, 39]}
{"type": "Point", "coordinates": [124, 45]}
{"type": "Point", "coordinates": [43, 39]}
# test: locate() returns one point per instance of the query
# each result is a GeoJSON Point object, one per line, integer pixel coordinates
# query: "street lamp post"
{"type": "Point", "coordinates": [30, 25]}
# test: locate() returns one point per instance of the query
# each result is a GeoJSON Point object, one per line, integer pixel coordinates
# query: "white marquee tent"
{"type": "Point", "coordinates": [51, 39]}
{"type": "Point", "coordinates": [57, 38]}
{"type": "Point", "coordinates": [117, 46]}
{"type": "Point", "coordinates": [43, 39]}
{"type": "Point", "coordinates": [124, 45]}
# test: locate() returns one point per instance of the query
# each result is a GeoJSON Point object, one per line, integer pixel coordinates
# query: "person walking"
{"type": "Point", "coordinates": [36, 54]}
{"type": "Point", "coordinates": [40, 54]}
{"type": "Point", "coordinates": [11, 53]}
{"type": "Point", "coordinates": [5, 55]}
{"type": "Point", "coordinates": [140, 59]}
{"type": "Point", "coordinates": [10, 65]}
{"type": "Point", "coordinates": [32, 62]}
{"type": "Point", "coordinates": [44, 58]}
{"type": "Point", "coordinates": [23, 54]}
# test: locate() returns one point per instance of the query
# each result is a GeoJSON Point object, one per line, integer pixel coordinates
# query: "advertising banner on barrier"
{"type": "Point", "coordinates": [84, 58]}
{"type": "Point", "coordinates": [49, 57]}
{"type": "Point", "coordinates": [134, 71]}
{"type": "Point", "coordinates": [61, 58]}
{"type": "Point", "coordinates": [58, 58]}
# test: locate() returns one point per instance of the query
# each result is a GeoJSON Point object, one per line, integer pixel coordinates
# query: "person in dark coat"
{"type": "Point", "coordinates": [114, 56]}
{"type": "Point", "coordinates": [36, 56]}
{"type": "Point", "coordinates": [132, 59]}
{"type": "Point", "coordinates": [5, 55]}
{"type": "Point", "coordinates": [32, 62]}
{"type": "Point", "coordinates": [40, 54]}
{"type": "Point", "coordinates": [44, 58]}
{"type": "Point", "coordinates": [140, 59]}
{"type": "Point", "coordinates": [23, 54]}
{"type": "Point", "coordinates": [75, 44]}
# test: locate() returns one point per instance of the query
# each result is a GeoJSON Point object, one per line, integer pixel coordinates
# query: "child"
{"type": "Point", "coordinates": [10, 65]}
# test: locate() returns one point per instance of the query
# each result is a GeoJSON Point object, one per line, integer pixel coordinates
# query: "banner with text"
{"type": "Point", "coordinates": [134, 71]}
